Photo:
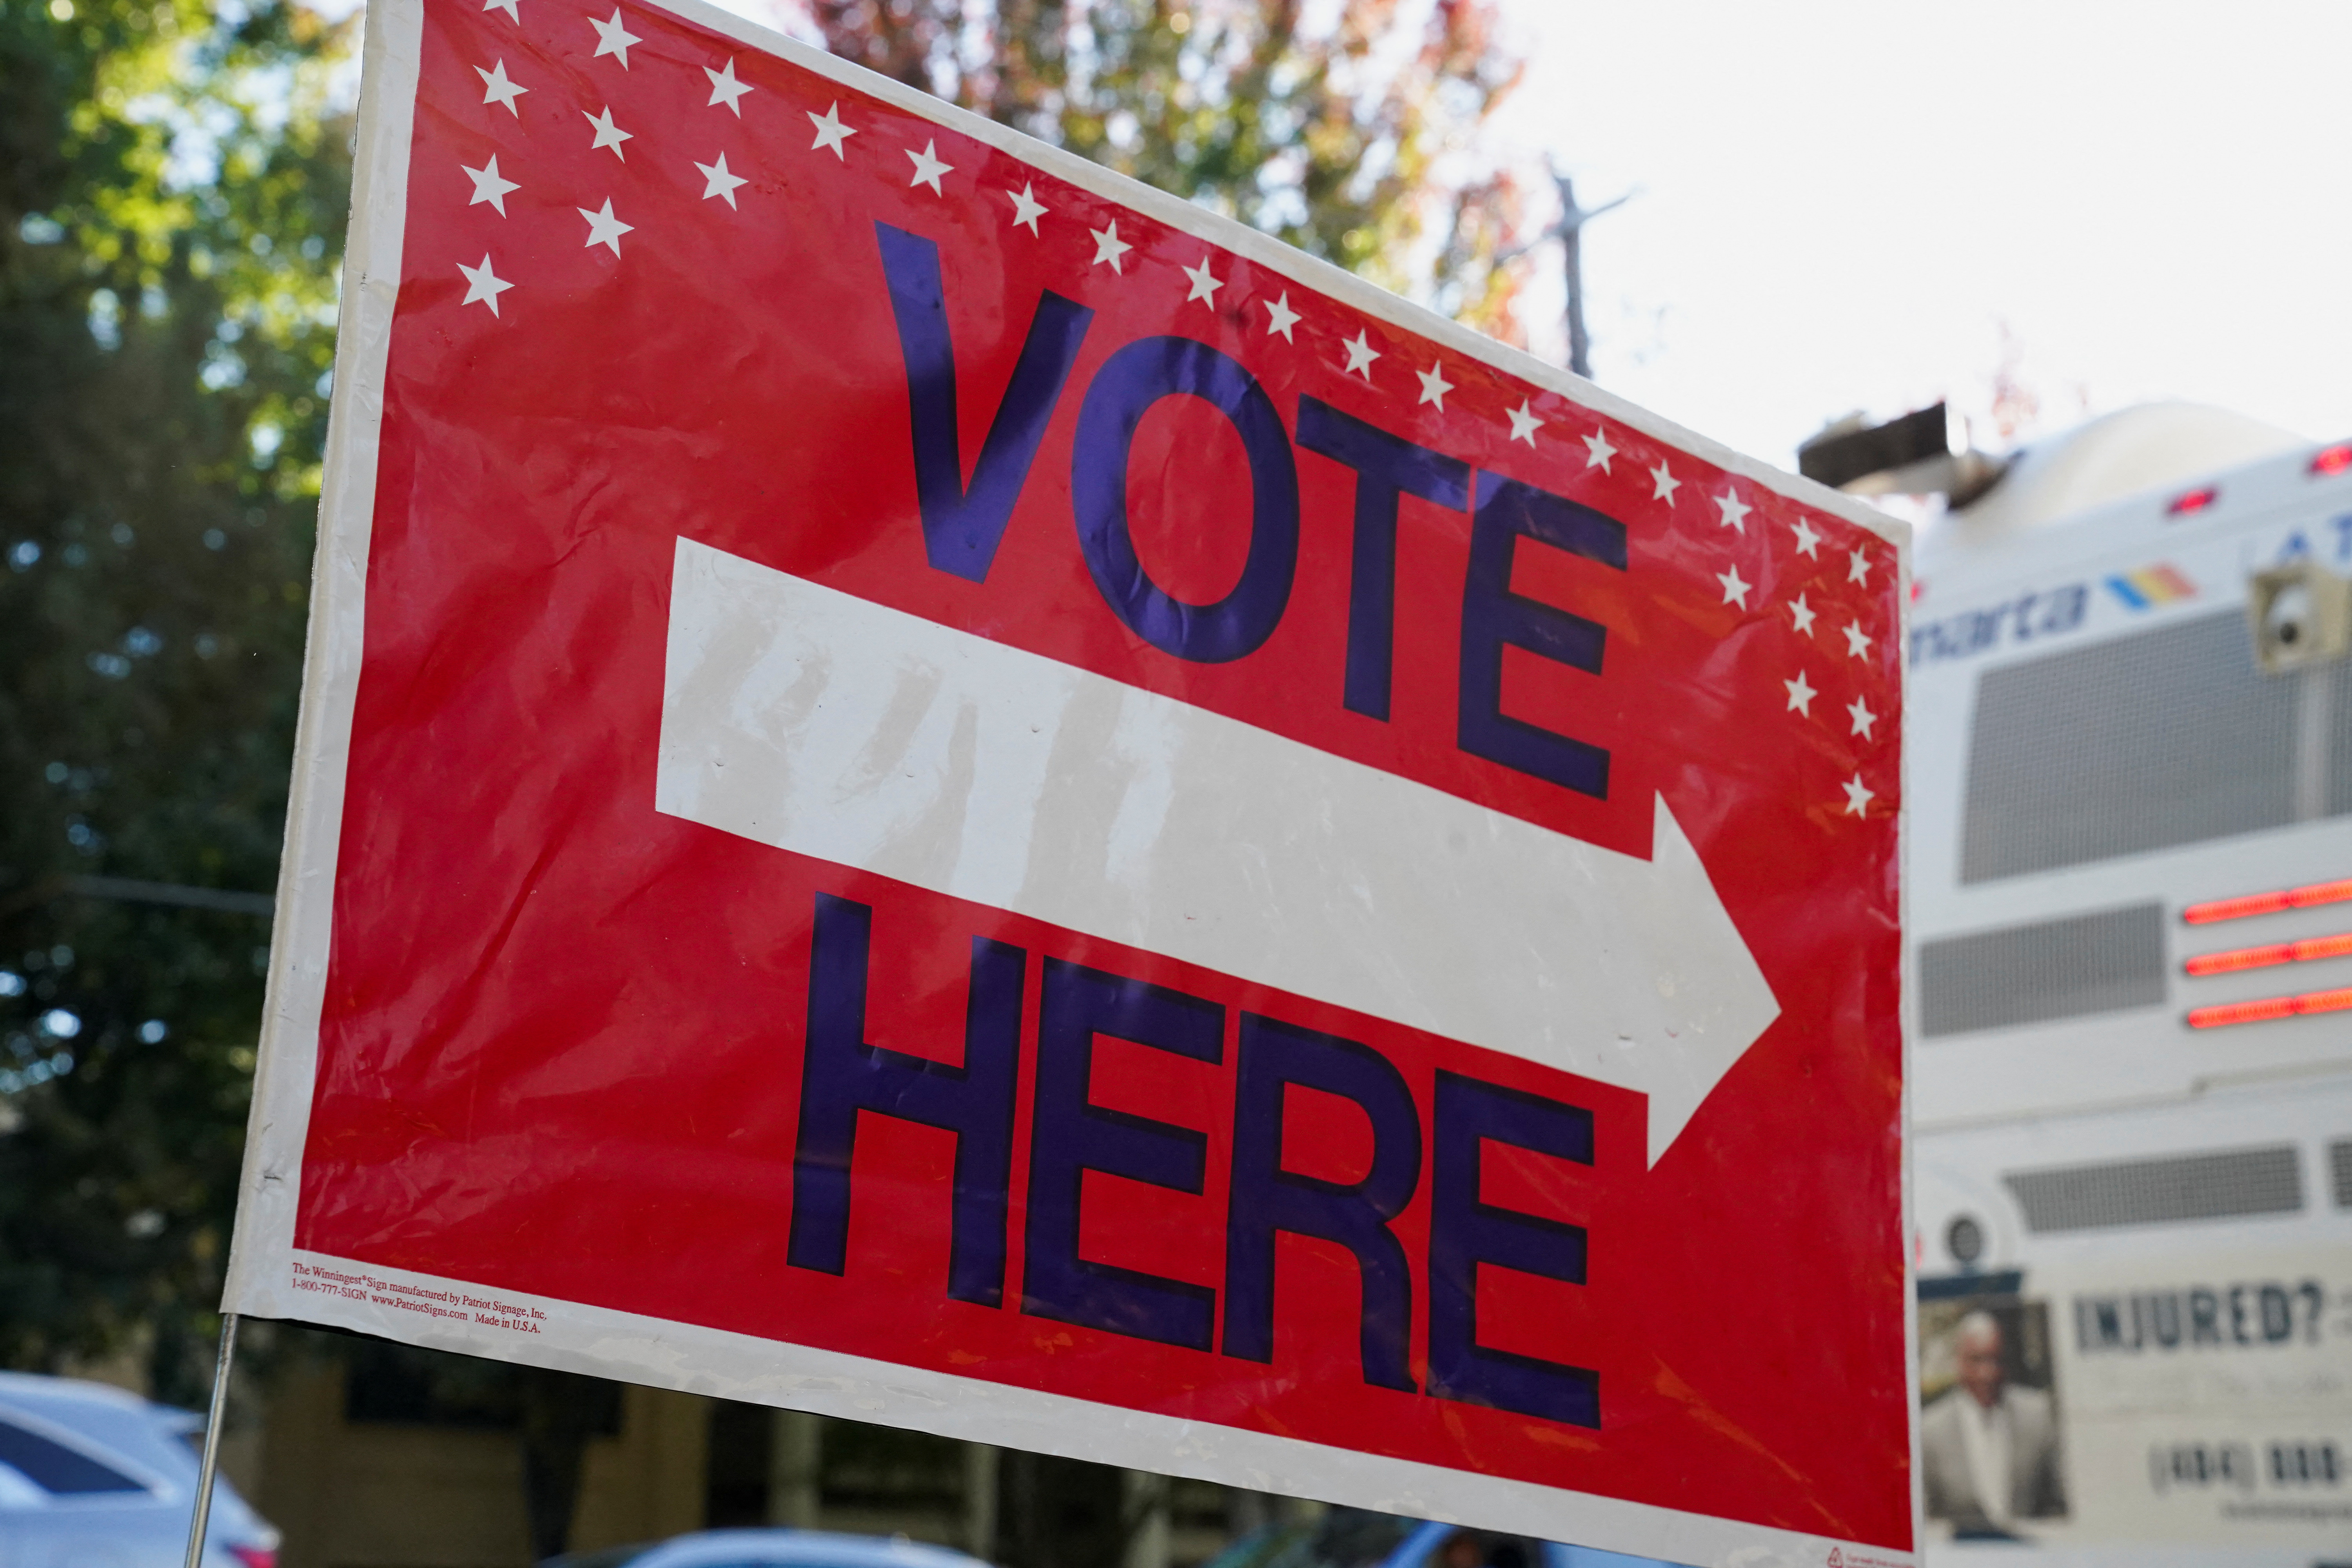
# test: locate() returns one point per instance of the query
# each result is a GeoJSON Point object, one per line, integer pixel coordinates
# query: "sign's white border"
{"type": "Point", "coordinates": [264, 1261]}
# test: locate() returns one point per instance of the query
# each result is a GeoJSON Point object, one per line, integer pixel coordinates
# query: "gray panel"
{"type": "Point", "coordinates": [2338, 710]}
{"type": "Point", "coordinates": [2168, 737]}
{"type": "Point", "coordinates": [2160, 1192]}
{"type": "Point", "coordinates": [2339, 1167]}
{"type": "Point", "coordinates": [2054, 969]}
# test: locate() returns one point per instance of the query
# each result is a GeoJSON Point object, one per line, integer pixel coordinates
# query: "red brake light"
{"type": "Point", "coordinates": [2195, 501]}
{"type": "Point", "coordinates": [2332, 459]}
{"type": "Point", "coordinates": [2271, 1007]}
{"type": "Point", "coordinates": [2270, 954]}
{"type": "Point", "coordinates": [2237, 908]}
{"type": "Point", "coordinates": [255, 1556]}
{"type": "Point", "coordinates": [2309, 896]}
{"type": "Point", "coordinates": [2241, 958]}
{"type": "Point", "coordinates": [2241, 1013]}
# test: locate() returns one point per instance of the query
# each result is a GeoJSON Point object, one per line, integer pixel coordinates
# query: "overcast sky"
{"type": "Point", "coordinates": [1843, 202]}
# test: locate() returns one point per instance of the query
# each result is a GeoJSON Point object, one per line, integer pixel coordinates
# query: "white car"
{"type": "Point", "coordinates": [89, 1474]}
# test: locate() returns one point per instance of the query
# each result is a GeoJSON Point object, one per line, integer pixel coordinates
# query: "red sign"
{"type": "Point", "coordinates": [938, 787]}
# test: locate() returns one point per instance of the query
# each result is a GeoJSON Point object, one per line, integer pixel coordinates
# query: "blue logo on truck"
{"type": "Point", "coordinates": [2018, 620]}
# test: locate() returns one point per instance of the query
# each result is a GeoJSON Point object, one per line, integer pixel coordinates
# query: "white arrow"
{"type": "Point", "coordinates": [805, 718]}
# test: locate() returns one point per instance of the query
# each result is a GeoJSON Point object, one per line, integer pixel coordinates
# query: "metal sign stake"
{"type": "Point", "coordinates": [210, 1462]}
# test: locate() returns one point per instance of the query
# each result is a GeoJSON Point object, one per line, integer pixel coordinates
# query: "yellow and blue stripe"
{"type": "Point", "coordinates": [2161, 583]}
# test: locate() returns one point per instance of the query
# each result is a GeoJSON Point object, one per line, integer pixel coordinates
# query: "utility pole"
{"type": "Point", "coordinates": [1569, 232]}
{"type": "Point", "coordinates": [1573, 219]}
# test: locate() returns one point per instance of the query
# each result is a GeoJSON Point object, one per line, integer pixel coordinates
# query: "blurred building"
{"type": "Point", "coordinates": [370, 1455]}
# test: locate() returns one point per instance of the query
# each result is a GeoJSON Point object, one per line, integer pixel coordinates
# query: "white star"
{"type": "Point", "coordinates": [1434, 386]}
{"type": "Point", "coordinates": [725, 88]}
{"type": "Point", "coordinates": [613, 38]}
{"type": "Point", "coordinates": [489, 187]}
{"type": "Point", "coordinates": [1800, 695]}
{"type": "Point", "coordinates": [928, 167]}
{"type": "Point", "coordinates": [483, 284]}
{"type": "Point", "coordinates": [1597, 451]}
{"type": "Point", "coordinates": [718, 182]}
{"type": "Point", "coordinates": [1108, 246]}
{"type": "Point", "coordinates": [1204, 287]}
{"type": "Point", "coordinates": [1857, 644]}
{"type": "Point", "coordinates": [1734, 510]}
{"type": "Point", "coordinates": [1863, 718]}
{"type": "Point", "coordinates": [607, 133]}
{"type": "Point", "coordinates": [1805, 614]}
{"type": "Point", "coordinates": [1026, 209]}
{"type": "Point", "coordinates": [1663, 484]}
{"type": "Point", "coordinates": [1280, 317]}
{"type": "Point", "coordinates": [1857, 796]}
{"type": "Point", "coordinates": [604, 228]}
{"type": "Point", "coordinates": [1524, 424]}
{"type": "Point", "coordinates": [1361, 353]}
{"type": "Point", "coordinates": [830, 131]}
{"type": "Point", "coordinates": [509, 6]}
{"type": "Point", "coordinates": [496, 88]}
{"type": "Point", "coordinates": [1808, 541]}
{"type": "Point", "coordinates": [1857, 567]}
{"type": "Point", "coordinates": [1735, 592]}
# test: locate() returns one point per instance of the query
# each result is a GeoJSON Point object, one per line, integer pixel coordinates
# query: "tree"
{"type": "Point", "coordinates": [1334, 127]}
{"type": "Point", "coordinates": [171, 201]}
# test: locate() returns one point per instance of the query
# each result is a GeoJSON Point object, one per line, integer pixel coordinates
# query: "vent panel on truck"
{"type": "Point", "coordinates": [2166, 737]}
{"type": "Point", "coordinates": [2224, 1184]}
{"type": "Point", "coordinates": [2098, 963]}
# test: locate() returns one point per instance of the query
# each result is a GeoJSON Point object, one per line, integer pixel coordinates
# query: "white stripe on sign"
{"type": "Point", "coordinates": [822, 723]}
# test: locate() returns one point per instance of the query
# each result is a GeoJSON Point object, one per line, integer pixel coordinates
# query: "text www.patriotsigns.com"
{"type": "Point", "coordinates": [453, 1304]}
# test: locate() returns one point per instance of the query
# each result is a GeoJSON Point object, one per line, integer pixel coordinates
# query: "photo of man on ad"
{"type": "Point", "coordinates": [1989, 1444]}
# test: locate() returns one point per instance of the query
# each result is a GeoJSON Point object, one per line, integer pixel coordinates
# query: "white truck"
{"type": "Point", "coordinates": [2130, 859]}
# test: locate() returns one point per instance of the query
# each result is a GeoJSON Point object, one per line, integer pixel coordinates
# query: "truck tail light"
{"type": "Point", "coordinates": [2309, 896]}
{"type": "Point", "coordinates": [2263, 957]}
{"type": "Point", "coordinates": [2271, 1007]}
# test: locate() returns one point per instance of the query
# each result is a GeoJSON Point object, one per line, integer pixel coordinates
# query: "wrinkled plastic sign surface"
{"type": "Point", "coordinates": [937, 787]}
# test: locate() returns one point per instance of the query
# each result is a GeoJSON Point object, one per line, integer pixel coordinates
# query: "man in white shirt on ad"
{"type": "Point", "coordinates": [1989, 1451]}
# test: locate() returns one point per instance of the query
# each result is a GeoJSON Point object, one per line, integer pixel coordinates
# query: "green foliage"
{"type": "Point", "coordinates": [1343, 128]}
{"type": "Point", "coordinates": [172, 193]}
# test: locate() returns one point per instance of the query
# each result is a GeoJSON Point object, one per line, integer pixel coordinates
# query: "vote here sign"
{"type": "Point", "coordinates": [938, 787]}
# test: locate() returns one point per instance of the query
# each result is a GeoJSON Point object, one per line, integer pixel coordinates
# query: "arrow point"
{"type": "Point", "coordinates": [1723, 1001]}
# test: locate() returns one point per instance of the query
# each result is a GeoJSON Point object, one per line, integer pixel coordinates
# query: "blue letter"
{"type": "Point", "coordinates": [842, 1075]}
{"type": "Point", "coordinates": [1493, 616]}
{"type": "Point", "coordinates": [1130, 382]}
{"type": "Point", "coordinates": [1465, 1232]}
{"type": "Point", "coordinates": [1266, 1198]}
{"type": "Point", "coordinates": [1070, 1137]}
{"type": "Point", "coordinates": [961, 528]}
{"type": "Point", "coordinates": [1386, 466]}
